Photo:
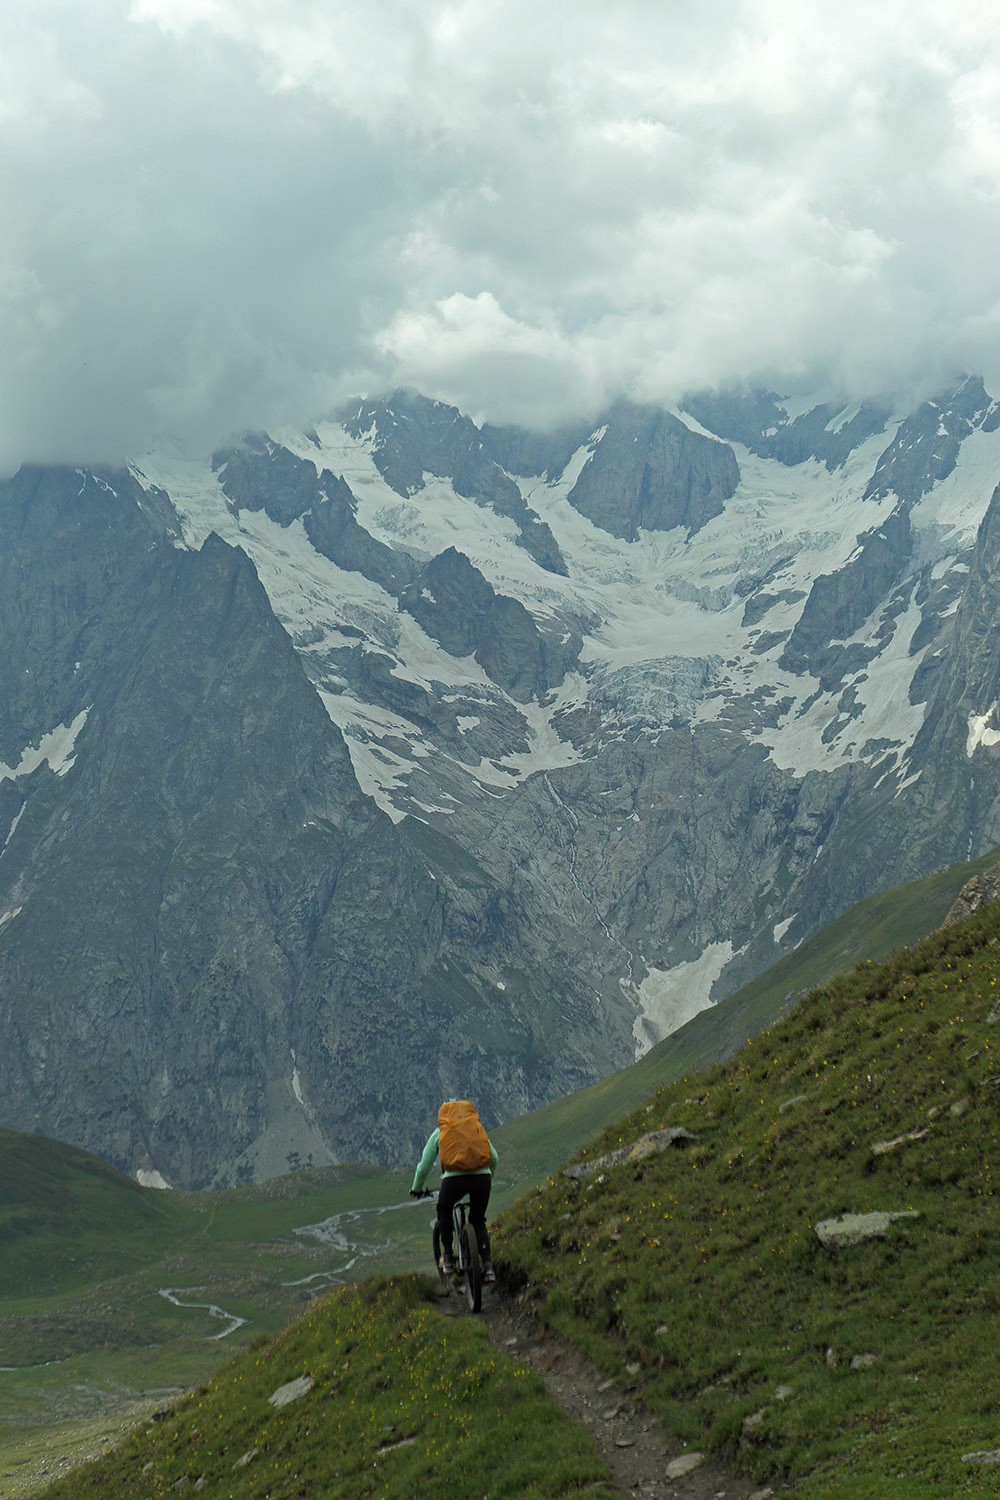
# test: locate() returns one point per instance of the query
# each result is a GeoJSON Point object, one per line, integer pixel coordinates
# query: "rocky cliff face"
{"type": "Point", "coordinates": [207, 932]}
{"type": "Point", "coordinates": [399, 757]}
{"type": "Point", "coordinates": [650, 472]}
{"type": "Point", "coordinates": [456, 606]}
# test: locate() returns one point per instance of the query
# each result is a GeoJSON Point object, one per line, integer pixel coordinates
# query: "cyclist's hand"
{"type": "Point", "coordinates": [415, 1193]}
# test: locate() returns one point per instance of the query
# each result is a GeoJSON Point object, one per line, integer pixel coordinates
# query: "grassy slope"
{"type": "Point", "coordinates": [703, 1264]}
{"type": "Point", "coordinates": [64, 1214]}
{"type": "Point", "coordinates": [239, 1246]}
{"type": "Point", "coordinates": [531, 1146]}
{"type": "Point", "coordinates": [421, 1421]}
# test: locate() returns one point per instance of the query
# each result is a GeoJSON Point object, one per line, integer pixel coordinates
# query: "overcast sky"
{"type": "Point", "coordinates": [217, 214]}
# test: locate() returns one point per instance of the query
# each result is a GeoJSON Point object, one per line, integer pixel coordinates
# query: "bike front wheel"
{"type": "Point", "coordinates": [473, 1270]}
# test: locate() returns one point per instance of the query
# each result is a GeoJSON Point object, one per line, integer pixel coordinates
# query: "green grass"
{"type": "Point", "coordinates": [67, 1218]}
{"type": "Point", "coordinates": [703, 1264]}
{"type": "Point", "coordinates": [403, 1402]}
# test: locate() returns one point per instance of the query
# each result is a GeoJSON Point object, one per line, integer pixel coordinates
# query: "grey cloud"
{"type": "Point", "coordinates": [228, 216]}
{"type": "Point", "coordinates": [191, 256]}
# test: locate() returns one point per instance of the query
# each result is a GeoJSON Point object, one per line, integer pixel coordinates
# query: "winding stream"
{"type": "Point", "coordinates": [338, 1231]}
{"type": "Point", "coordinates": [230, 1319]}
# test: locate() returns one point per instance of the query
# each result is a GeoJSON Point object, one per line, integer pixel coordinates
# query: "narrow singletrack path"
{"type": "Point", "coordinates": [637, 1448]}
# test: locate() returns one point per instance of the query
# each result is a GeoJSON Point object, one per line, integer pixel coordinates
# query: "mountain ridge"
{"type": "Point", "coordinates": [601, 797]}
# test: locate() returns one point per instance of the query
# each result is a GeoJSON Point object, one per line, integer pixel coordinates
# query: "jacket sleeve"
{"type": "Point", "coordinates": [426, 1161]}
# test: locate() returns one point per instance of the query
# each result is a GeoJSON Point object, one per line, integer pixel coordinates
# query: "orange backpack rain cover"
{"type": "Point", "coordinates": [463, 1144]}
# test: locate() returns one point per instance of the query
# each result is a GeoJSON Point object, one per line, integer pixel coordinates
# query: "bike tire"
{"type": "Point", "coordinates": [473, 1271]}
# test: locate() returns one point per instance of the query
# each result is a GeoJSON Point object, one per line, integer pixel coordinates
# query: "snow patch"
{"type": "Point", "coordinates": [840, 421]}
{"type": "Point", "coordinates": [910, 780]}
{"type": "Point", "coordinates": [668, 998]}
{"type": "Point", "coordinates": [979, 732]}
{"type": "Point", "coordinates": [54, 749]}
{"type": "Point", "coordinates": [796, 406]}
{"type": "Point", "coordinates": [13, 829]}
{"type": "Point", "coordinates": [693, 425]}
{"type": "Point", "coordinates": [782, 928]}
{"type": "Point", "coordinates": [297, 1086]}
{"type": "Point", "coordinates": [433, 519]}
{"type": "Point", "coordinates": [152, 1179]}
{"type": "Point", "coordinates": [883, 709]}
{"type": "Point", "coordinates": [547, 751]}
{"type": "Point", "coordinates": [948, 517]}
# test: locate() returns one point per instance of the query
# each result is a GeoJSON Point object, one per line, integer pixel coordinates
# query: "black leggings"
{"type": "Point", "coordinates": [477, 1185]}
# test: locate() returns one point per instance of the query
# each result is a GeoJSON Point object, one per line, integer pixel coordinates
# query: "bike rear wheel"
{"type": "Point", "coordinates": [473, 1269]}
{"type": "Point", "coordinates": [444, 1280]}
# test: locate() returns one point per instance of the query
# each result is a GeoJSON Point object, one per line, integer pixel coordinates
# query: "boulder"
{"type": "Point", "coordinates": [646, 1145]}
{"type": "Point", "coordinates": [974, 895]}
{"type": "Point", "coordinates": [881, 1147]}
{"type": "Point", "coordinates": [292, 1391]}
{"type": "Point", "coordinates": [848, 1230]}
{"type": "Point", "coordinates": [752, 1425]}
{"type": "Point", "coordinates": [679, 1467]}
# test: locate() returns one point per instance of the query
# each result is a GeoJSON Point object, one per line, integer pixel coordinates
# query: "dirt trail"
{"type": "Point", "coordinates": [634, 1444]}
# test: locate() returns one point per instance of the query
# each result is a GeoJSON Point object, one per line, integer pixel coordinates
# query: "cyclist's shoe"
{"type": "Point", "coordinates": [447, 1264]}
{"type": "Point", "coordinates": [488, 1272]}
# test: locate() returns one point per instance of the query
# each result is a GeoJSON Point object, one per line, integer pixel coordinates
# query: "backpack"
{"type": "Point", "coordinates": [462, 1142]}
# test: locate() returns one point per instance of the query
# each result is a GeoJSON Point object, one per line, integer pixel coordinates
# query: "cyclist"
{"type": "Point", "coordinates": [468, 1161]}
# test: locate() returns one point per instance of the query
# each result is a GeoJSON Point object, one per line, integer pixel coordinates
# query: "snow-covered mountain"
{"type": "Point", "coordinates": [502, 756]}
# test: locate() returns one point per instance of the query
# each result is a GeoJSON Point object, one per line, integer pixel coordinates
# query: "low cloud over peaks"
{"type": "Point", "coordinates": [232, 215]}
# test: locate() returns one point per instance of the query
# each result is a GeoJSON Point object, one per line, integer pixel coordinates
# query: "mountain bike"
{"type": "Point", "coordinates": [468, 1274]}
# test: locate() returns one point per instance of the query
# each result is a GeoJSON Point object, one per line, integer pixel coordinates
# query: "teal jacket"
{"type": "Point", "coordinates": [427, 1161]}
